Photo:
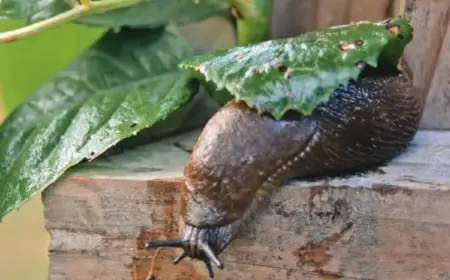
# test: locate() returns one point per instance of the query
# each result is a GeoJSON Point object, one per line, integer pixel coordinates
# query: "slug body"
{"type": "Point", "coordinates": [242, 154]}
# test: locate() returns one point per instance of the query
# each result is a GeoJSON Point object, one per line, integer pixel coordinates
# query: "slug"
{"type": "Point", "coordinates": [242, 154]}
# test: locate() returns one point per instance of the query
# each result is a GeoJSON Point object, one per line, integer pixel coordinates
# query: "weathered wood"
{"type": "Point", "coordinates": [428, 56]}
{"type": "Point", "coordinates": [369, 10]}
{"type": "Point", "coordinates": [429, 19]}
{"type": "Point", "coordinates": [392, 223]}
{"type": "Point", "coordinates": [293, 17]}
{"type": "Point", "coordinates": [331, 12]}
{"type": "Point", "coordinates": [437, 110]}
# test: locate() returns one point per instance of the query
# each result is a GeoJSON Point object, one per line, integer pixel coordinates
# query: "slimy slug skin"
{"type": "Point", "coordinates": [242, 154]}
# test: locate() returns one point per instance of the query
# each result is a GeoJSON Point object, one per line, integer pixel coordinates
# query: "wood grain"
{"type": "Point", "coordinates": [332, 12]}
{"type": "Point", "coordinates": [426, 57]}
{"type": "Point", "coordinates": [369, 10]}
{"type": "Point", "coordinates": [437, 110]}
{"type": "Point", "coordinates": [391, 223]}
{"type": "Point", "coordinates": [430, 21]}
{"type": "Point", "coordinates": [293, 17]}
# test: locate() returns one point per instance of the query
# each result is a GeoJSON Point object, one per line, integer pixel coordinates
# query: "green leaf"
{"type": "Point", "coordinates": [126, 82]}
{"type": "Point", "coordinates": [22, 9]}
{"type": "Point", "coordinates": [145, 14]}
{"type": "Point", "coordinates": [395, 47]}
{"type": "Point", "coordinates": [301, 72]}
{"type": "Point", "coordinates": [41, 62]}
{"type": "Point", "coordinates": [157, 12]}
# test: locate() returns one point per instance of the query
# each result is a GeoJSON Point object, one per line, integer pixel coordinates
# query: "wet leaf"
{"type": "Point", "coordinates": [126, 82]}
{"type": "Point", "coordinates": [144, 14]}
{"type": "Point", "coordinates": [41, 62]}
{"type": "Point", "coordinates": [23, 9]}
{"type": "Point", "coordinates": [158, 12]}
{"type": "Point", "coordinates": [301, 72]}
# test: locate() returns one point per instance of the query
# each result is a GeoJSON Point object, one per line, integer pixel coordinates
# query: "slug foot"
{"type": "Point", "coordinates": [199, 243]}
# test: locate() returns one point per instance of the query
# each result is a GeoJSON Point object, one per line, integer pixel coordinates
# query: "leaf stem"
{"type": "Point", "coordinates": [11, 36]}
{"type": "Point", "coordinates": [74, 13]}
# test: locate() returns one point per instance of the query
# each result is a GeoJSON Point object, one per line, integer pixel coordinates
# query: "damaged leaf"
{"type": "Point", "coordinates": [300, 73]}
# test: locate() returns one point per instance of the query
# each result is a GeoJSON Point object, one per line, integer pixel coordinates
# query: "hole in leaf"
{"type": "Point", "coordinates": [92, 153]}
{"type": "Point", "coordinates": [239, 57]}
{"type": "Point", "coordinates": [400, 36]}
{"type": "Point", "coordinates": [359, 42]}
{"type": "Point", "coordinates": [282, 68]}
{"type": "Point", "coordinates": [346, 47]}
{"type": "Point", "coordinates": [360, 64]}
{"type": "Point", "coordinates": [133, 125]}
{"type": "Point", "coordinates": [394, 29]}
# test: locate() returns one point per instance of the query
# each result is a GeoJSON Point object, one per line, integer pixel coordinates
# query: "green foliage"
{"type": "Point", "coordinates": [157, 12]}
{"type": "Point", "coordinates": [22, 9]}
{"type": "Point", "coordinates": [130, 82]}
{"type": "Point", "coordinates": [299, 73]}
{"type": "Point", "coordinates": [42, 61]}
{"type": "Point", "coordinates": [396, 45]}
{"type": "Point", "coordinates": [143, 14]}
{"type": "Point", "coordinates": [115, 89]}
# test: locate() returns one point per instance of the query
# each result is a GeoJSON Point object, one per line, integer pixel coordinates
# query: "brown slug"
{"type": "Point", "coordinates": [242, 154]}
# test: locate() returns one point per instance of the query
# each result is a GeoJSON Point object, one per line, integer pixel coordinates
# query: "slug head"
{"type": "Point", "coordinates": [199, 243]}
{"type": "Point", "coordinates": [235, 155]}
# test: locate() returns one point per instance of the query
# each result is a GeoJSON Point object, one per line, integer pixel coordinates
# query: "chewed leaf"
{"type": "Point", "coordinates": [300, 73]}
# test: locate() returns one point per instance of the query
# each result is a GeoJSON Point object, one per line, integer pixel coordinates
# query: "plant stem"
{"type": "Point", "coordinates": [11, 36]}
{"type": "Point", "coordinates": [68, 16]}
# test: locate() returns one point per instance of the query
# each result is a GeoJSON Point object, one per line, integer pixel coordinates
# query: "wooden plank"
{"type": "Point", "coordinates": [369, 10]}
{"type": "Point", "coordinates": [426, 58]}
{"type": "Point", "coordinates": [388, 224]}
{"type": "Point", "coordinates": [332, 12]}
{"type": "Point", "coordinates": [437, 109]}
{"type": "Point", "coordinates": [397, 7]}
{"type": "Point", "coordinates": [291, 17]}
{"type": "Point", "coordinates": [430, 21]}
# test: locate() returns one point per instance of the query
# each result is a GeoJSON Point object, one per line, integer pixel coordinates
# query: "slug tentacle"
{"type": "Point", "coordinates": [199, 243]}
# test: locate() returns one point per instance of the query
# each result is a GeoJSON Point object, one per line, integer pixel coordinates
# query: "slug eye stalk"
{"type": "Point", "coordinates": [199, 250]}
